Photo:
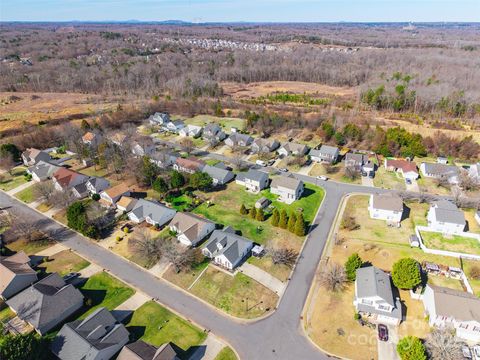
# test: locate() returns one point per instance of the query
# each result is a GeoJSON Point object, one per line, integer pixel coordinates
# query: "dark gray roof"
{"type": "Point", "coordinates": [371, 282]}
{"type": "Point", "coordinates": [212, 129]}
{"type": "Point", "coordinates": [237, 137]}
{"type": "Point", "coordinates": [233, 245]}
{"type": "Point", "coordinates": [84, 339]}
{"type": "Point", "coordinates": [441, 169]}
{"type": "Point", "coordinates": [356, 158]}
{"type": "Point", "coordinates": [255, 175]}
{"type": "Point", "coordinates": [446, 211]}
{"type": "Point", "coordinates": [99, 183]}
{"type": "Point", "coordinates": [44, 303]}
{"type": "Point", "coordinates": [81, 188]}
{"type": "Point", "coordinates": [43, 169]}
{"type": "Point", "coordinates": [327, 150]}
{"type": "Point", "coordinates": [217, 173]}
{"type": "Point", "coordinates": [155, 211]}
{"type": "Point", "coordinates": [140, 350]}
{"type": "Point", "coordinates": [295, 147]}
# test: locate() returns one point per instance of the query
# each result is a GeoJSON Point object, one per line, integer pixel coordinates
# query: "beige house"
{"type": "Point", "coordinates": [388, 207]}
{"type": "Point", "coordinates": [287, 188]}
{"type": "Point", "coordinates": [190, 228]}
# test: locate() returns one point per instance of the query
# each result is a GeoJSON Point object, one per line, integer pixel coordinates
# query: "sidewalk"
{"type": "Point", "coordinates": [122, 311]}
{"type": "Point", "coordinates": [20, 188]}
{"type": "Point", "coordinates": [209, 349]}
{"type": "Point", "coordinates": [263, 278]}
{"type": "Point", "coordinates": [52, 250]}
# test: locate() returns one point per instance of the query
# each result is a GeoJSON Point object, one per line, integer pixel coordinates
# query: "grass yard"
{"type": "Point", "coordinates": [43, 207]}
{"type": "Point", "coordinates": [61, 216]}
{"type": "Point", "coordinates": [64, 262]}
{"type": "Point", "coordinates": [445, 282]}
{"type": "Point", "coordinates": [428, 185]}
{"type": "Point", "coordinates": [180, 203]}
{"type": "Point", "coordinates": [103, 290]}
{"type": "Point", "coordinates": [6, 314]}
{"type": "Point", "coordinates": [468, 265]}
{"type": "Point", "coordinates": [456, 243]}
{"type": "Point", "coordinates": [185, 278]}
{"type": "Point", "coordinates": [226, 354]}
{"type": "Point", "coordinates": [225, 122]}
{"type": "Point", "coordinates": [30, 248]}
{"type": "Point", "coordinates": [473, 225]}
{"type": "Point", "coordinates": [237, 295]}
{"type": "Point", "coordinates": [338, 174]}
{"type": "Point", "coordinates": [332, 327]}
{"type": "Point", "coordinates": [156, 325]}
{"type": "Point", "coordinates": [280, 271]}
{"type": "Point", "coordinates": [388, 179]}
{"type": "Point", "coordinates": [27, 195]}
{"type": "Point", "coordinates": [11, 181]}
{"type": "Point", "coordinates": [93, 171]}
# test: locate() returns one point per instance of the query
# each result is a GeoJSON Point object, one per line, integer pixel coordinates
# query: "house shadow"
{"type": "Point", "coordinates": [406, 213]}
{"type": "Point", "coordinates": [307, 192]}
{"type": "Point", "coordinates": [93, 297]}
{"type": "Point", "coordinates": [138, 194]}
{"type": "Point", "coordinates": [136, 332]}
{"type": "Point", "coordinates": [193, 353]}
{"type": "Point", "coordinates": [467, 225]}
{"type": "Point", "coordinates": [37, 260]}
{"type": "Point", "coordinates": [123, 316]}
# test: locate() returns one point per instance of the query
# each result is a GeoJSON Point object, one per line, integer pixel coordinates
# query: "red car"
{"type": "Point", "coordinates": [382, 332]}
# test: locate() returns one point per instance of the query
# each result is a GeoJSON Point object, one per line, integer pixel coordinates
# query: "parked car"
{"type": "Point", "coordinates": [308, 162]}
{"type": "Point", "coordinates": [408, 181]}
{"type": "Point", "coordinates": [261, 163]}
{"type": "Point", "coordinates": [382, 332]}
{"type": "Point", "coordinates": [71, 276]}
{"type": "Point", "coordinates": [283, 170]}
{"type": "Point", "coordinates": [476, 352]}
{"type": "Point", "coordinates": [371, 174]}
{"type": "Point", "coordinates": [467, 353]}
{"type": "Point", "coordinates": [271, 162]}
{"type": "Point", "coordinates": [322, 177]}
{"type": "Point", "coordinates": [364, 173]}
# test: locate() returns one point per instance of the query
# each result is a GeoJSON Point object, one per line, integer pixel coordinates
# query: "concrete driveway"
{"type": "Point", "coordinates": [413, 186]}
{"type": "Point", "coordinates": [366, 181]}
{"type": "Point", "coordinates": [263, 278]}
{"type": "Point", "coordinates": [387, 350]}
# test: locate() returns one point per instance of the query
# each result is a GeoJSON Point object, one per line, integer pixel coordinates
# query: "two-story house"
{"type": "Point", "coordinates": [253, 180]}
{"type": "Point", "coordinates": [237, 139]}
{"type": "Point", "coordinates": [291, 148]}
{"type": "Point", "coordinates": [191, 130]}
{"type": "Point", "coordinates": [31, 156]}
{"type": "Point", "coordinates": [287, 188]}
{"type": "Point", "coordinates": [326, 154]}
{"type": "Point", "coordinates": [445, 217]}
{"type": "Point", "coordinates": [264, 146]}
{"type": "Point", "coordinates": [388, 207]}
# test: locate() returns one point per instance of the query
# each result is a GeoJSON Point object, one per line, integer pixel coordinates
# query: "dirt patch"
{"type": "Point", "coordinates": [253, 90]}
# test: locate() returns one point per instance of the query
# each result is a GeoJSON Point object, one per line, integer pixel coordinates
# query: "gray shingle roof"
{"type": "Point", "coordinates": [99, 183]}
{"type": "Point", "coordinates": [140, 350]}
{"type": "Point", "coordinates": [255, 175]}
{"type": "Point", "coordinates": [441, 169]}
{"type": "Point", "coordinates": [43, 169]}
{"type": "Point", "coordinates": [328, 150]}
{"type": "Point", "coordinates": [84, 339]}
{"type": "Point", "coordinates": [371, 282]}
{"type": "Point", "coordinates": [155, 211]}
{"type": "Point", "coordinates": [233, 245]}
{"type": "Point", "coordinates": [460, 305]}
{"type": "Point", "coordinates": [390, 202]}
{"type": "Point", "coordinates": [446, 211]}
{"type": "Point", "coordinates": [217, 173]}
{"type": "Point", "coordinates": [286, 182]}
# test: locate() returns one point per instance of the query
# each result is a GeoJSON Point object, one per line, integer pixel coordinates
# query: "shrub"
{"type": "Point", "coordinates": [411, 348]}
{"type": "Point", "coordinates": [406, 273]}
{"type": "Point", "coordinates": [350, 223]}
{"type": "Point", "coordinates": [243, 210]}
{"type": "Point", "coordinates": [96, 197]}
{"type": "Point", "coordinates": [357, 316]}
{"type": "Point", "coordinates": [253, 213]}
{"type": "Point", "coordinates": [275, 217]}
{"type": "Point", "coordinates": [353, 263]}
{"type": "Point", "coordinates": [475, 273]}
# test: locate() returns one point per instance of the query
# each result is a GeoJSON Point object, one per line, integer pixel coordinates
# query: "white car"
{"type": "Point", "coordinates": [322, 177]}
{"type": "Point", "coordinates": [261, 163]}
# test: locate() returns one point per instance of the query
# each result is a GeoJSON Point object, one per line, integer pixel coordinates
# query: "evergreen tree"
{"type": "Point", "coordinates": [160, 185]}
{"type": "Point", "coordinates": [275, 217]}
{"type": "Point", "coordinates": [176, 180]}
{"type": "Point", "coordinates": [300, 229]}
{"type": "Point", "coordinates": [253, 213]}
{"type": "Point", "coordinates": [291, 222]}
{"type": "Point", "coordinates": [243, 210]}
{"type": "Point", "coordinates": [260, 216]}
{"type": "Point", "coordinates": [353, 263]}
{"type": "Point", "coordinates": [283, 219]}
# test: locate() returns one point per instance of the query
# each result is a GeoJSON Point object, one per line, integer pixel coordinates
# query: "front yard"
{"type": "Point", "coordinates": [26, 195]}
{"type": "Point", "coordinates": [457, 243]}
{"type": "Point", "coordinates": [63, 263]}
{"type": "Point", "coordinates": [337, 173]}
{"type": "Point", "coordinates": [388, 179]}
{"type": "Point", "coordinates": [11, 181]}
{"type": "Point", "coordinates": [156, 325]}
{"type": "Point", "coordinates": [31, 247]}
{"type": "Point", "coordinates": [226, 354]}
{"type": "Point", "coordinates": [103, 290]}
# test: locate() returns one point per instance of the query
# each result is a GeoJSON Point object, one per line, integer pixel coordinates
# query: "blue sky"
{"type": "Point", "coordinates": [241, 10]}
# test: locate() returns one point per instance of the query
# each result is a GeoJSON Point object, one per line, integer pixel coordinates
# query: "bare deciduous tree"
{"type": "Point", "coordinates": [468, 183]}
{"type": "Point", "coordinates": [62, 199]}
{"type": "Point", "coordinates": [187, 145]}
{"type": "Point", "coordinates": [351, 173]}
{"type": "Point", "coordinates": [145, 245]}
{"type": "Point", "coordinates": [282, 256]}
{"type": "Point", "coordinates": [442, 344]}
{"type": "Point", "coordinates": [333, 277]}
{"type": "Point", "coordinates": [44, 190]}
{"type": "Point", "coordinates": [6, 162]}
{"type": "Point", "coordinates": [177, 255]}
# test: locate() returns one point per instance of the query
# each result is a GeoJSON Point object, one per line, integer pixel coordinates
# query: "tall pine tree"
{"type": "Point", "coordinates": [260, 215]}
{"type": "Point", "coordinates": [291, 222]}
{"type": "Point", "coordinates": [253, 213]}
{"type": "Point", "coordinates": [300, 229]}
{"type": "Point", "coordinates": [283, 219]}
{"type": "Point", "coordinates": [243, 210]}
{"type": "Point", "coordinates": [275, 217]}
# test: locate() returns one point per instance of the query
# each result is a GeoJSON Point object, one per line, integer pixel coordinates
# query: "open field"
{"type": "Point", "coordinates": [237, 295]}
{"type": "Point", "coordinates": [103, 290]}
{"type": "Point", "coordinates": [225, 122]}
{"type": "Point", "coordinates": [63, 263]}
{"type": "Point", "coordinates": [456, 243]}
{"type": "Point", "coordinates": [157, 325]}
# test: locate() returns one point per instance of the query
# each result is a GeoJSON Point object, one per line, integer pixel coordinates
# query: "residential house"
{"type": "Point", "coordinates": [47, 303]}
{"type": "Point", "coordinates": [110, 196]}
{"type": "Point", "coordinates": [264, 146]}
{"type": "Point", "coordinates": [368, 167]}
{"type": "Point", "coordinates": [80, 191]}
{"type": "Point", "coordinates": [95, 185]}
{"type": "Point", "coordinates": [42, 170]}
{"type": "Point", "coordinates": [159, 118]}
{"type": "Point", "coordinates": [287, 188]}
{"type": "Point", "coordinates": [408, 169]}
{"type": "Point", "coordinates": [163, 159]}
{"type": "Point", "coordinates": [442, 160]}
{"type": "Point", "coordinates": [174, 126]}
{"type": "Point", "coordinates": [31, 156]}
{"type": "Point", "coordinates": [126, 203]}
{"type": "Point", "coordinates": [65, 179]}
{"type": "Point", "coordinates": [388, 207]}
{"type": "Point", "coordinates": [140, 350]}
{"type": "Point", "coordinates": [190, 228]}
{"type": "Point", "coordinates": [253, 180]}
{"type": "Point", "coordinates": [326, 154]}
{"type": "Point", "coordinates": [291, 148]}
{"type": "Point", "coordinates": [355, 161]}
{"type": "Point", "coordinates": [119, 139]}
{"type": "Point", "coordinates": [190, 165]}
{"type": "Point", "coordinates": [16, 274]}
{"type": "Point", "coordinates": [92, 138]}
{"type": "Point", "coordinates": [213, 131]}
{"type": "Point", "coordinates": [218, 173]}
{"type": "Point", "coordinates": [97, 337]}
{"type": "Point", "coordinates": [374, 296]}
{"type": "Point", "coordinates": [439, 171]}
{"type": "Point", "coordinates": [191, 130]}
{"type": "Point", "coordinates": [445, 217]}
{"type": "Point", "coordinates": [153, 213]}
{"type": "Point", "coordinates": [237, 139]}
{"type": "Point", "coordinates": [226, 248]}
{"type": "Point", "coordinates": [449, 308]}
{"type": "Point", "coordinates": [143, 147]}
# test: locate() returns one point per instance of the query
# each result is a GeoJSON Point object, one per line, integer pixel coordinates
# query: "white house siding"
{"type": "Point", "coordinates": [443, 227]}
{"type": "Point", "coordinates": [381, 214]}
{"type": "Point", "coordinates": [287, 196]}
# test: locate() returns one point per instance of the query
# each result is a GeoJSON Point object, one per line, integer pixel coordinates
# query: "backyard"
{"type": "Point", "coordinates": [225, 122]}
{"type": "Point", "coordinates": [156, 325]}
{"type": "Point", "coordinates": [103, 290]}
{"type": "Point", "coordinates": [457, 243]}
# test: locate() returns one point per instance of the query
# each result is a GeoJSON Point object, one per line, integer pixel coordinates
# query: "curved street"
{"type": "Point", "coordinates": [278, 336]}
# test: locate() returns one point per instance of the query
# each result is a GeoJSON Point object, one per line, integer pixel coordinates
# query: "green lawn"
{"type": "Point", "coordinates": [226, 354]}
{"type": "Point", "coordinates": [6, 314]}
{"type": "Point", "coordinates": [27, 195]}
{"type": "Point", "coordinates": [388, 179]}
{"type": "Point", "coordinates": [237, 295]}
{"type": "Point", "coordinates": [185, 278]}
{"type": "Point", "coordinates": [30, 248]}
{"type": "Point", "coordinates": [225, 122]}
{"type": "Point", "coordinates": [180, 203]}
{"type": "Point", "coordinates": [95, 171]}
{"type": "Point", "coordinates": [103, 290]}
{"type": "Point", "coordinates": [156, 325]}
{"type": "Point", "coordinates": [63, 263]}
{"type": "Point", "coordinates": [212, 162]}
{"type": "Point", "coordinates": [456, 243]}
{"type": "Point", "coordinates": [14, 180]}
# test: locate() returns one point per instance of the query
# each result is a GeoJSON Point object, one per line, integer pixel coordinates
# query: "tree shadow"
{"type": "Point", "coordinates": [406, 213]}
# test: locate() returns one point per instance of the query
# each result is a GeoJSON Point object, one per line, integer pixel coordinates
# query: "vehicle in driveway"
{"type": "Point", "coordinates": [408, 181]}
{"type": "Point", "coordinates": [271, 162]}
{"type": "Point", "coordinates": [382, 332]}
{"type": "Point", "coordinates": [283, 170]}
{"type": "Point", "coordinates": [466, 352]}
{"type": "Point", "coordinates": [322, 177]}
{"type": "Point", "coordinates": [71, 276]}
{"type": "Point", "coordinates": [261, 163]}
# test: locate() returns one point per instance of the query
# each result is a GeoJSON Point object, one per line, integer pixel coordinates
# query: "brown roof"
{"type": "Point", "coordinates": [32, 153]}
{"type": "Point", "coordinates": [125, 201]}
{"type": "Point", "coordinates": [89, 136]}
{"type": "Point", "coordinates": [406, 166]}
{"type": "Point", "coordinates": [387, 202]}
{"type": "Point", "coordinates": [13, 265]}
{"type": "Point", "coordinates": [190, 163]}
{"type": "Point", "coordinates": [460, 305]}
{"type": "Point", "coordinates": [65, 176]}
{"type": "Point", "coordinates": [115, 191]}
{"type": "Point", "coordinates": [189, 224]}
